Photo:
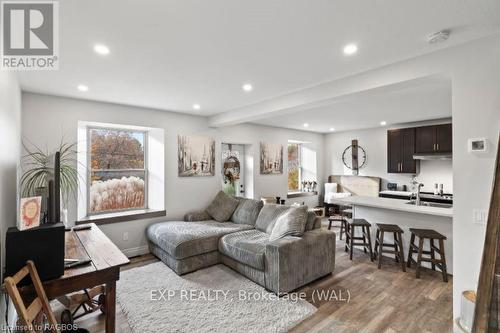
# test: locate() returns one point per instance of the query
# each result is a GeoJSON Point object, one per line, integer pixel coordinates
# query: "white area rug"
{"type": "Point", "coordinates": [214, 299]}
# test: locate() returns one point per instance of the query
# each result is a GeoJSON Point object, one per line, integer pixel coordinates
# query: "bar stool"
{"type": "Point", "coordinates": [366, 239]}
{"type": "Point", "coordinates": [338, 218]}
{"type": "Point", "coordinates": [431, 235]}
{"type": "Point", "coordinates": [345, 212]}
{"type": "Point", "coordinates": [397, 245]}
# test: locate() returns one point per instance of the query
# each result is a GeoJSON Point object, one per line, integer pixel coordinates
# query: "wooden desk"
{"type": "Point", "coordinates": [104, 269]}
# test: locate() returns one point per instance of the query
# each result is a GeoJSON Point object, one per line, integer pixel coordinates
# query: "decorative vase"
{"type": "Point", "coordinates": [64, 217]}
{"type": "Point", "coordinates": [467, 310]}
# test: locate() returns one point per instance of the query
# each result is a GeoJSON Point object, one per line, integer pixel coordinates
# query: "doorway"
{"type": "Point", "coordinates": [233, 169]}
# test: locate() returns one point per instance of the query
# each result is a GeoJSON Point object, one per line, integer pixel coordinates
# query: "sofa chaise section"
{"type": "Point", "coordinates": [265, 244]}
{"type": "Point", "coordinates": [189, 246]}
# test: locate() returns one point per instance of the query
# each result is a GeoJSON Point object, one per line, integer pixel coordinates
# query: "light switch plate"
{"type": "Point", "coordinates": [479, 216]}
{"type": "Point", "coordinates": [125, 236]}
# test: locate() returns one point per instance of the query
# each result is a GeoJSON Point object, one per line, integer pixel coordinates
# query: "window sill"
{"type": "Point", "coordinates": [301, 194]}
{"type": "Point", "coordinates": [122, 216]}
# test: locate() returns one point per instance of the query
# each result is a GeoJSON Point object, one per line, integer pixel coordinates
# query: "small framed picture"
{"type": "Point", "coordinates": [477, 145]}
{"type": "Point", "coordinates": [30, 212]}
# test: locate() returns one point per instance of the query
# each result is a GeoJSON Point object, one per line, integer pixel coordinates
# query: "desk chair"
{"type": "Point", "coordinates": [33, 314]}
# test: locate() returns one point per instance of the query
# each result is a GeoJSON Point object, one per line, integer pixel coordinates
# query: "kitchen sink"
{"type": "Point", "coordinates": [431, 204]}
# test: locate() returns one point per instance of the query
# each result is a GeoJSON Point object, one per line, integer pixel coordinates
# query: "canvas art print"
{"type": "Point", "coordinates": [196, 156]}
{"type": "Point", "coordinates": [30, 212]}
{"type": "Point", "coordinates": [271, 158]}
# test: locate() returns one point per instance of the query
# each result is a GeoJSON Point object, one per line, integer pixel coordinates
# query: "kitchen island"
{"type": "Point", "coordinates": [396, 211]}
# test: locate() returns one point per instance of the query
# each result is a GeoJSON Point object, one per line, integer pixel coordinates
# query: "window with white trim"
{"type": "Point", "coordinates": [117, 178]}
{"type": "Point", "coordinates": [302, 167]}
{"type": "Point", "coordinates": [294, 167]}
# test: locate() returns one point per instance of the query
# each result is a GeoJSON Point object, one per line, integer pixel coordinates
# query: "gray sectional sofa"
{"type": "Point", "coordinates": [243, 244]}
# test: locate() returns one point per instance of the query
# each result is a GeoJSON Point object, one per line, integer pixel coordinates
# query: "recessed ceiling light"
{"type": "Point", "coordinates": [350, 49]}
{"type": "Point", "coordinates": [101, 49]}
{"type": "Point", "coordinates": [83, 87]}
{"type": "Point", "coordinates": [306, 125]}
{"type": "Point", "coordinates": [196, 106]}
{"type": "Point", "coordinates": [332, 129]}
{"type": "Point", "coordinates": [383, 123]}
{"type": "Point", "coordinates": [247, 87]}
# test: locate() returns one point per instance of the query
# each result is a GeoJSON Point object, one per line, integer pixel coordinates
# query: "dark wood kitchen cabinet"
{"type": "Point", "coordinates": [434, 139]}
{"type": "Point", "coordinates": [400, 150]}
{"type": "Point", "coordinates": [444, 138]}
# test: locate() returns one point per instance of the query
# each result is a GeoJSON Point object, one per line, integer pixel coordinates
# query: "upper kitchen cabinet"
{"type": "Point", "coordinates": [444, 138]}
{"type": "Point", "coordinates": [433, 139]}
{"type": "Point", "coordinates": [400, 150]}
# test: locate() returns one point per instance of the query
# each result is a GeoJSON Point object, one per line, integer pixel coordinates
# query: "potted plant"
{"type": "Point", "coordinates": [39, 167]}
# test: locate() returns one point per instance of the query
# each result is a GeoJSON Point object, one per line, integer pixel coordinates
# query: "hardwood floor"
{"type": "Point", "coordinates": [385, 300]}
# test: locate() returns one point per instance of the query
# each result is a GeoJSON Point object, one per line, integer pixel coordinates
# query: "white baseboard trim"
{"type": "Point", "coordinates": [136, 251]}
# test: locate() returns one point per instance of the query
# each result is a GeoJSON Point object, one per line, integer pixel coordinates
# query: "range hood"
{"type": "Point", "coordinates": [433, 156]}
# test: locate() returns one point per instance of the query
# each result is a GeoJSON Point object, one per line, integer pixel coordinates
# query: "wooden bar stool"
{"type": "Point", "coordinates": [397, 246]}
{"type": "Point", "coordinates": [432, 236]}
{"type": "Point", "coordinates": [338, 218]}
{"type": "Point", "coordinates": [365, 238]}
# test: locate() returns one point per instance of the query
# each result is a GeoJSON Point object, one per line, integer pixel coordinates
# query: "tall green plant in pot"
{"type": "Point", "coordinates": [38, 168]}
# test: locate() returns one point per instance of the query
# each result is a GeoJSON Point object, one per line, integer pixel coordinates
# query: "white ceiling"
{"type": "Point", "coordinates": [411, 101]}
{"type": "Point", "coordinates": [171, 54]}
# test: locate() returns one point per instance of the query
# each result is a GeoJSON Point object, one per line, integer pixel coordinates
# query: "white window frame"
{"type": "Point", "coordinates": [89, 169]}
{"type": "Point", "coordinates": [155, 154]}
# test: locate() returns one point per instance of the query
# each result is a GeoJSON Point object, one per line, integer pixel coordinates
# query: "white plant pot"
{"type": "Point", "coordinates": [64, 216]}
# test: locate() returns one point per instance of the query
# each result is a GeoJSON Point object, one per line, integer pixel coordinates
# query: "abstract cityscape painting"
{"type": "Point", "coordinates": [196, 156]}
{"type": "Point", "coordinates": [271, 158]}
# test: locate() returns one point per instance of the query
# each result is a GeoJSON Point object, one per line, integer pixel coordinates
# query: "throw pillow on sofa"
{"type": "Point", "coordinates": [290, 223]}
{"type": "Point", "coordinates": [268, 216]}
{"type": "Point", "coordinates": [247, 211]}
{"type": "Point", "coordinates": [311, 220]}
{"type": "Point", "coordinates": [222, 207]}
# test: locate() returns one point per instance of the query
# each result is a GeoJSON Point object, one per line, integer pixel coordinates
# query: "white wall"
{"type": "Point", "coordinates": [47, 118]}
{"type": "Point", "coordinates": [374, 141]}
{"type": "Point", "coordinates": [476, 113]}
{"type": "Point", "coordinates": [10, 139]}
{"type": "Point", "coordinates": [10, 148]}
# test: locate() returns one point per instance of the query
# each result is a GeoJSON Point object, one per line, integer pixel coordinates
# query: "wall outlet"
{"type": "Point", "coordinates": [125, 236]}
{"type": "Point", "coordinates": [479, 216]}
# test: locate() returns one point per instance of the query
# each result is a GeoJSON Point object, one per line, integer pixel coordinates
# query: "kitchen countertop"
{"type": "Point", "coordinates": [398, 193]}
{"type": "Point", "coordinates": [394, 204]}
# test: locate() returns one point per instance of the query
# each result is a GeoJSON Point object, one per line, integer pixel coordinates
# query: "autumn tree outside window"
{"type": "Point", "coordinates": [294, 167]}
{"type": "Point", "coordinates": [117, 170]}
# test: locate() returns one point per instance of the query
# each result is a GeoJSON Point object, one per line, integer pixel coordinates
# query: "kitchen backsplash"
{"type": "Point", "coordinates": [436, 171]}
{"type": "Point", "coordinates": [431, 172]}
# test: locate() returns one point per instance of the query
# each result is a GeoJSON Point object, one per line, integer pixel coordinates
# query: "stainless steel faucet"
{"type": "Point", "coordinates": [417, 185]}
